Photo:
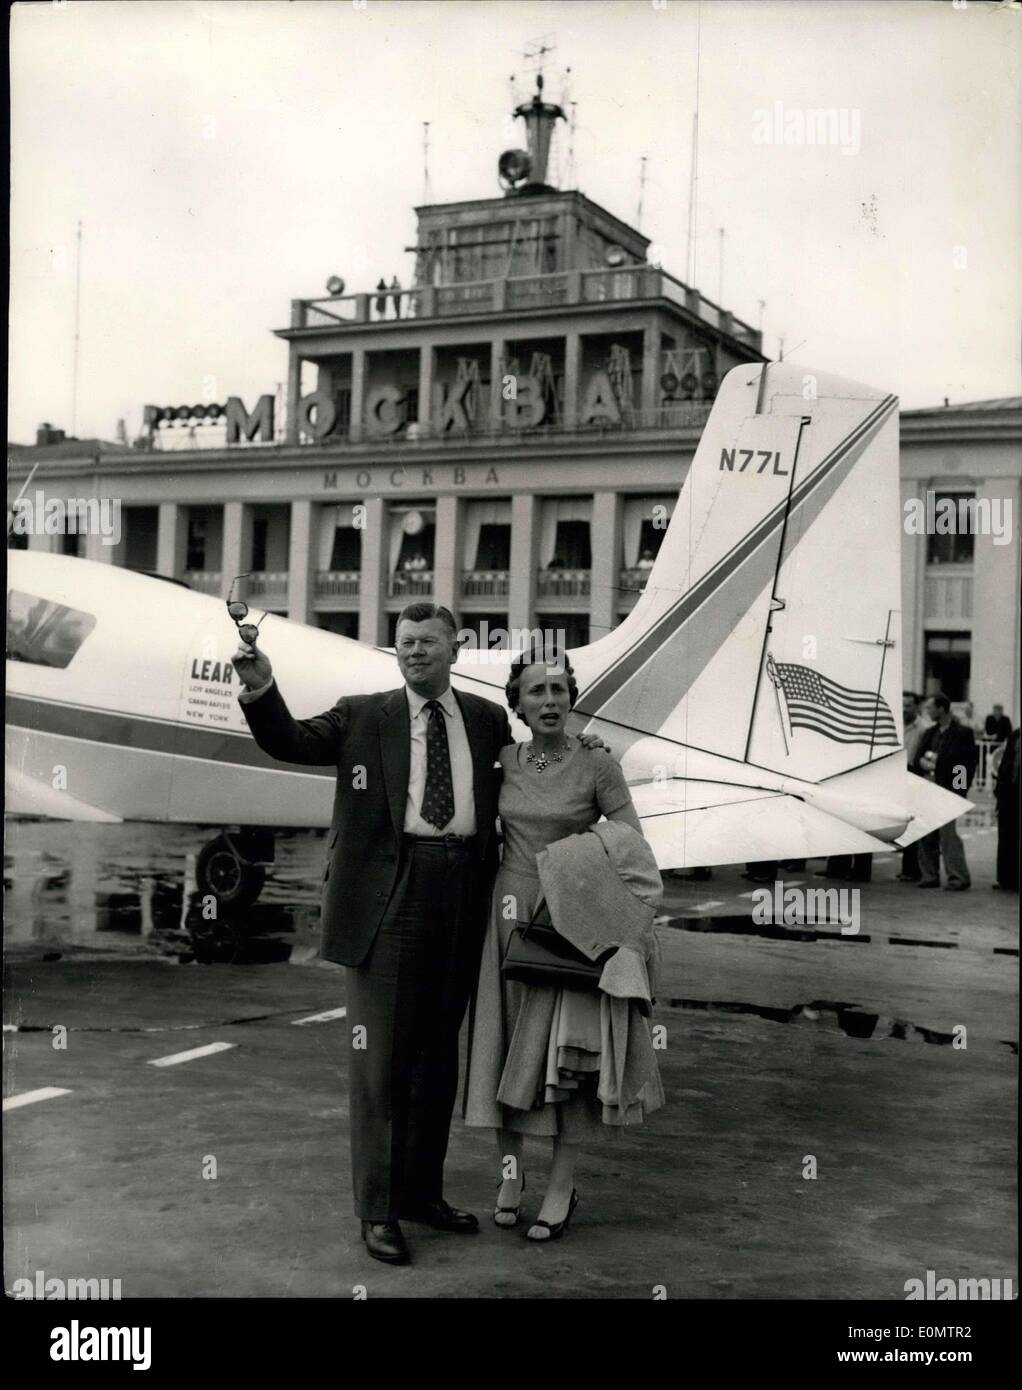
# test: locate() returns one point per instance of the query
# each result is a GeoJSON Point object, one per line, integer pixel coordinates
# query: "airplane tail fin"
{"type": "Point", "coordinates": [768, 631]}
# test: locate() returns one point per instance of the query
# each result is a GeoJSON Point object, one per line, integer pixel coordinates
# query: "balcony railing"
{"type": "Point", "coordinates": [514, 293]}
{"type": "Point", "coordinates": [562, 583]}
{"type": "Point", "coordinates": [948, 594]}
{"type": "Point", "coordinates": [633, 581]}
{"type": "Point", "coordinates": [336, 583]}
{"type": "Point", "coordinates": [266, 584]}
{"type": "Point", "coordinates": [411, 584]}
{"type": "Point", "coordinates": [484, 583]}
{"type": "Point", "coordinates": [205, 581]}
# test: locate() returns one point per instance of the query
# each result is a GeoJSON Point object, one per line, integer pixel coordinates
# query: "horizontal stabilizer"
{"type": "Point", "coordinates": [751, 826]}
{"type": "Point", "coordinates": [930, 807]}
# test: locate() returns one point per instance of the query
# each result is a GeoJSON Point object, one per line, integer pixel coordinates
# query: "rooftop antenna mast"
{"type": "Point", "coordinates": [427, 192]}
{"type": "Point", "coordinates": [78, 299]}
{"type": "Point", "coordinates": [642, 191]}
{"type": "Point", "coordinates": [570, 180]}
{"type": "Point", "coordinates": [535, 52]}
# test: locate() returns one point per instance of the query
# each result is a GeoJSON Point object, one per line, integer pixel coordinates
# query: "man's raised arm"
{"type": "Point", "coordinates": [314, 742]}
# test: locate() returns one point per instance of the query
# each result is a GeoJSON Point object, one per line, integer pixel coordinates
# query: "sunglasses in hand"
{"type": "Point", "coordinates": [238, 609]}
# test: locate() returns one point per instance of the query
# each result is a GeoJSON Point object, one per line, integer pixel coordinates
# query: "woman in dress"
{"type": "Point", "coordinates": [552, 787]}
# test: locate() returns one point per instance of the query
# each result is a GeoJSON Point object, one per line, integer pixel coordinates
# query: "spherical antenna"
{"type": "Point", "coordinates": [514, 168]}
{"type": "Point", "coordinates": [335, 285]}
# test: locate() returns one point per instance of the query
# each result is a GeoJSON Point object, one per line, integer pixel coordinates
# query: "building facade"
{"type": "Point", "coordinates": [507, 436]}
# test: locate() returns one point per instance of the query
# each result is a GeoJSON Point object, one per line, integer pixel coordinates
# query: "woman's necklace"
{"type": "Point", "coordinates": [543, 758]}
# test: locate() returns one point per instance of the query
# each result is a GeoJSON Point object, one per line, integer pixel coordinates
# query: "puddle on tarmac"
{"type": "Point", "coordinates": [853, 1020]}
{"type": "Point", "coordinates": [126, 889]}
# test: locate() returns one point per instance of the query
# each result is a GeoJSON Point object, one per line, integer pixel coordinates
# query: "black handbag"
{"type": "Point", "coordinates": [537, 954]}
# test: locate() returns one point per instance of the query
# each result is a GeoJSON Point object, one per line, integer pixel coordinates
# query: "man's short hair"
{"type": "Point", "coordinates": [910, 695]}
{"type": "Point", "coordinates": [422, 611]}
{"type": "Point", "coordinates": [941, 701]}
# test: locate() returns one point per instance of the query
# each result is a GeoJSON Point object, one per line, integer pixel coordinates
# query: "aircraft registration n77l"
{"type": "Point", "coordinates": [752, 695]}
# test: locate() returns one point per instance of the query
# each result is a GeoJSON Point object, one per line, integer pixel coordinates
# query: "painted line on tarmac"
{"type": "Point", "coordinates": [320, 1018]}
{"type": "Point", "coordinates": [705, 907]}
{"type": "Point", "coordinates": [190, 1055]}
{"type": "Point", "coordinates": [30, 1097]}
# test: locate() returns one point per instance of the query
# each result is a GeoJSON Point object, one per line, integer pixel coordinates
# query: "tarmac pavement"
{"type": "Point", "coordinates": [784, 1044]}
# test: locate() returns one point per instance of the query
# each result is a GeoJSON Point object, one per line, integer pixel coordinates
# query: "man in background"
{"type": "Point", "coordinates": [997, 725]}
{"type": "Point", "coordinates": [946, 754]}
{"type": "Point", "coordinates": [916, 725]}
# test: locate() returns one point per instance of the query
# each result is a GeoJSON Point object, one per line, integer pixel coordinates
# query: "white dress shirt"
{"type": "Point", "coordinates": [463, 822]}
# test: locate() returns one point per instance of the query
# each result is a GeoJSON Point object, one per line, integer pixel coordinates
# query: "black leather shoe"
{"type": "Point", "coordinates": [442, 1217]}
{"type": "Point", "coordinates": [384, 1241]}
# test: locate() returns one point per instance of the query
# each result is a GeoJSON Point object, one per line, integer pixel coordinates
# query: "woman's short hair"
{"type": "Point", "coordinates": [538, 656]}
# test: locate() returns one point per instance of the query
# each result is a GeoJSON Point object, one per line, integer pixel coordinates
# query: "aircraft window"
{"type": "Point", "coordinates": [43, 632]}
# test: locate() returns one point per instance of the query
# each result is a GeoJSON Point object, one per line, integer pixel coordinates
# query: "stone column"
{"type": "Point", "coordinates": [521, 602]}
{"type": "Point", "coordinates": [294, 393]}
{"type": "Point", "coordinates": [650, 372]}
{"type": "Point", "coordinates": [300, 564]}
{"type": "Point", "coordinates": [237, 543]}
{"type": "Point", "coordinates": [426, 361]}
{"type": "Point", "coordinates": [94, 548]}
{"type": "Point", "coordinates": [572, 379]}
{"type": "Point", "coordinates": [358, 393]}
{"type": "Point", "coordinates": [171, 540]}
{"type": "Point", "coordinates": [372, 589]}
{"type": "Point", "coordinates": [39, 540]}
{"type": "Point", "coordinates": [498, 350]}
{"type": "Point", "coordinates": [994, 669]}
{"type": "Point", "coordinates": [605, 574]}
{"type": "Point", "coordinates": [447, 556]}
{"type": "Point", "coordinates": [913, 589]}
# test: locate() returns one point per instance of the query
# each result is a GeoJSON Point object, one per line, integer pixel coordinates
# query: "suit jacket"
{"type": "Point", "coordinates": [372, 732]}
{"type": "Point", "coordinates": [955, 748]}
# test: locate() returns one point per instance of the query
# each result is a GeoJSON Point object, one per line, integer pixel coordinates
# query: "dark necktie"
{"type": "Point", "coordinates": [438, 798]}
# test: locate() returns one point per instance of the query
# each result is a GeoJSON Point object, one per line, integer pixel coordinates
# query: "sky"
{"type": "Point", "coordinates": [224, 158]}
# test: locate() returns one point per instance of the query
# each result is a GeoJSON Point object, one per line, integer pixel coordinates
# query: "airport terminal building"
{"type": "Point", "coordinates": [507, 436]}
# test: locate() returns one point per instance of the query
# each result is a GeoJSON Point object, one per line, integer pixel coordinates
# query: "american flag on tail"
{"type": "Point", "coordinates": [814, 701]}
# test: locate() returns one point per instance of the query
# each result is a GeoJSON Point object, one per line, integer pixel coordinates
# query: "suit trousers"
{"type": "Point", "coordinates": [944, 843]}
{"type": "Point", "coordinates": [410, 995]}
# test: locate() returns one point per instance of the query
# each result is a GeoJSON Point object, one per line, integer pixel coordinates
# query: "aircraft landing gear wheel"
{"type": "Point", "coordinates": [231, 879]}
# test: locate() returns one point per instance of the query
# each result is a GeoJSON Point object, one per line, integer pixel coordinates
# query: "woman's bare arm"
{"type": "Point", "coordinates": [629, 815]}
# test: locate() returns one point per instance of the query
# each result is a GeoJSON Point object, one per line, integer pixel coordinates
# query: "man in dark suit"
{"type": "Point", "coordinates": [412, 857]}
{"type": "Point", "coordinates": [946, 754]}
